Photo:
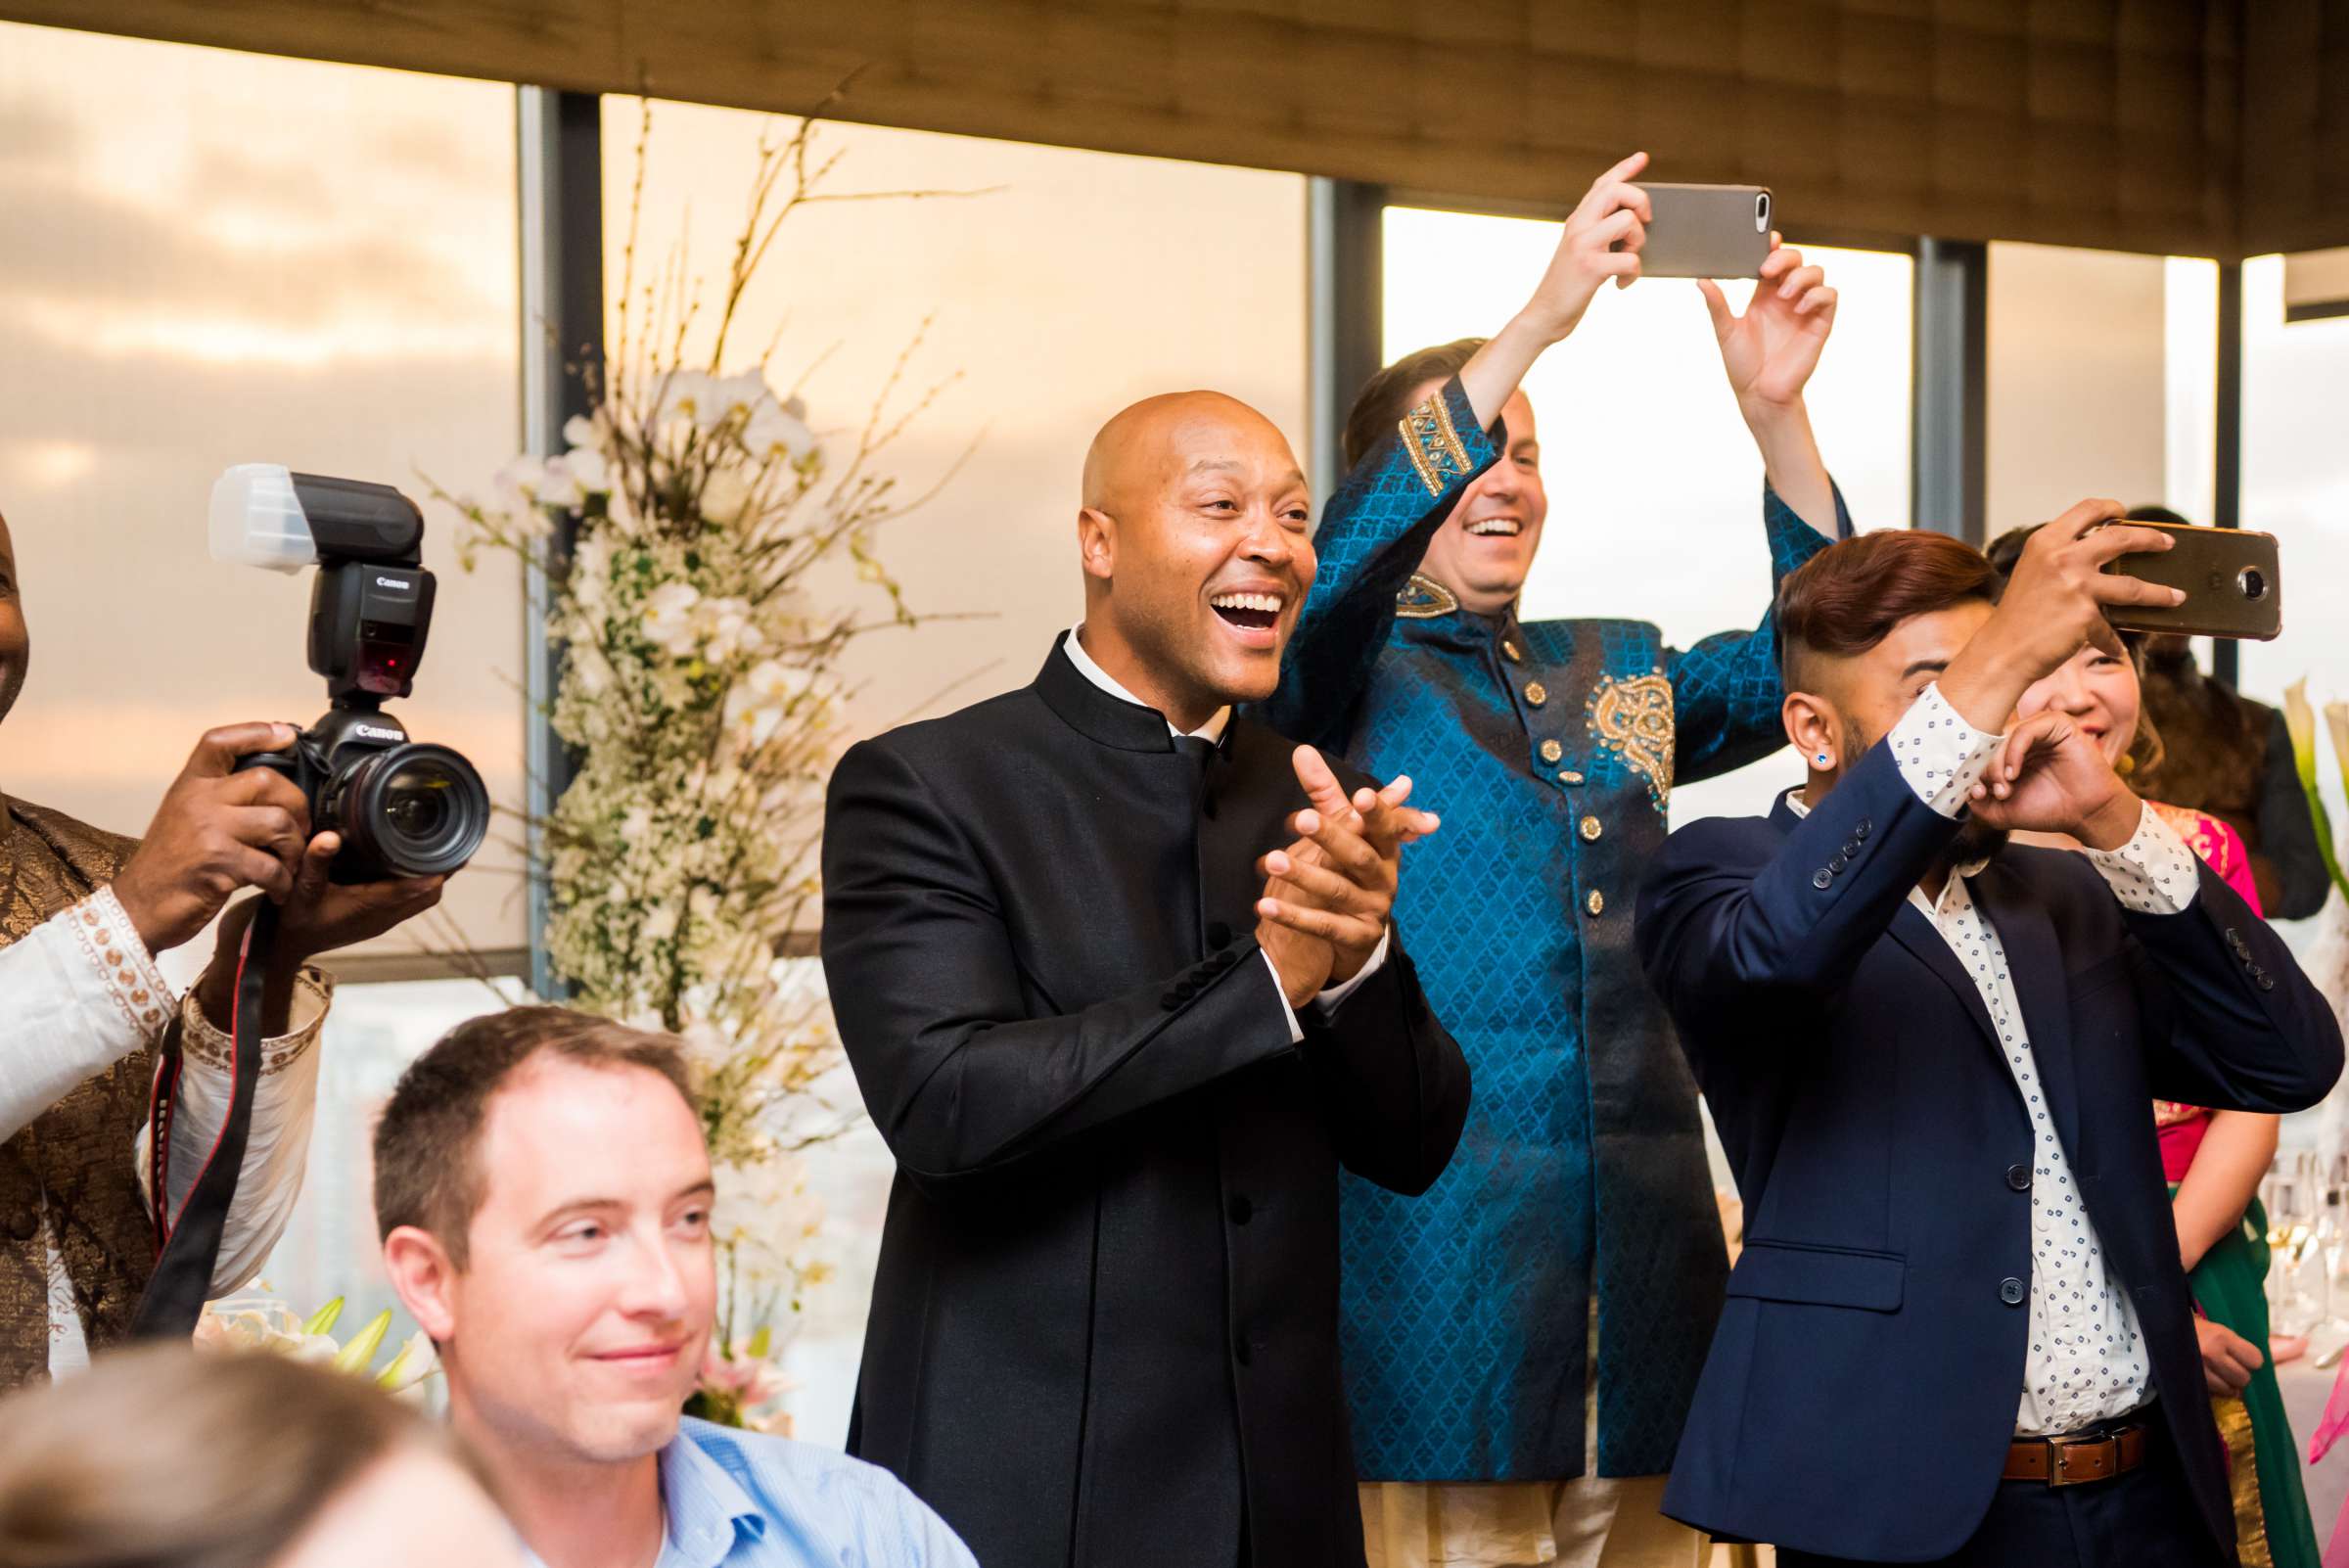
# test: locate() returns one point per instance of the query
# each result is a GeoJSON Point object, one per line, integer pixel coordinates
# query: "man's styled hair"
{"type": "Point", "coordinates": [166, 1457]}
{"type": "Point", "coordinates": [1387, 396]}
{"type": "Point", "coordinates": [1847, 598]}
{"type": "Point", "coordinates": [427, 1145]}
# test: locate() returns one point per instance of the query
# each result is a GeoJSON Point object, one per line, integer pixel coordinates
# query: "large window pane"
{"type": "Point", "coordinates": [2296, 485]}
{"type": "Point", "coordinates": [214, 258]}
{"type": "Point", "coordinates": [1074, 283]}
{"type": "Point", "coordinates": [329, 1248]}
{"type": "Point", "coordinates": [1655, 484]}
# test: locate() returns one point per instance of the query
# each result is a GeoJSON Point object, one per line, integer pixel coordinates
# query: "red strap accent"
{"type": "Point", "coordinates": [162, 1157]}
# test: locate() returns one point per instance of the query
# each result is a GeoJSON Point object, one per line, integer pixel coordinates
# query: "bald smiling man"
{"type": "Point", "coordinates": [1115, 973]}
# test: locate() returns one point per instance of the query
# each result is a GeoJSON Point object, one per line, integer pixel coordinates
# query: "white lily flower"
{"type": "Point", "coordinates": [668, 616]}
{"type": "Point", "coordinates": [589, 469]}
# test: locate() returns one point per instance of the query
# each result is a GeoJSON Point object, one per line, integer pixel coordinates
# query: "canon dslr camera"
{"type": "Point", "coordinates": [404, 808]}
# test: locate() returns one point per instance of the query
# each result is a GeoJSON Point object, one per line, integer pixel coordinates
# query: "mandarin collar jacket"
{"type": "Point", "coordinates": [1104, 1323]}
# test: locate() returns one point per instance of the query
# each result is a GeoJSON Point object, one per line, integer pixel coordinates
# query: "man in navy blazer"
{"type": "Point", "coordinates": [1960, 1331]}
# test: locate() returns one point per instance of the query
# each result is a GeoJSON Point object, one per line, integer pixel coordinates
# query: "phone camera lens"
{"type": "Point", "coordinates": [1761, 213]}
{"type": "Point", "coordinates": [2253, 582]}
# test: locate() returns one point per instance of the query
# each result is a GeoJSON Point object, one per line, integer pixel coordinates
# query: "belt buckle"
{"type": "Point", "coordinates": [2059, 1468]}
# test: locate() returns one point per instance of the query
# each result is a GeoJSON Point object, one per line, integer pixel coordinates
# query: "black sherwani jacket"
{"type": "Point", "coordinates": [1104, 1329]}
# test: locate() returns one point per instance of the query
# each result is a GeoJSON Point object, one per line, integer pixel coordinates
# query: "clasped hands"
{"type": "Point", "coordinates": [1328, 895]}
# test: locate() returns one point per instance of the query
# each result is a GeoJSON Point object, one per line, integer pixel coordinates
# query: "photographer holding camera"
{"type": "Point", "coordinates": [83, 915]}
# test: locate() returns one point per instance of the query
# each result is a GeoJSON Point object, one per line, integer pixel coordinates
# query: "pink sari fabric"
{"type": "Point", "coordinates": [2220, 848]}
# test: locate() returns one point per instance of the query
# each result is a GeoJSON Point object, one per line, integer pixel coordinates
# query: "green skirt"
{"type": "Point", "coordinates": [2271, 1510]}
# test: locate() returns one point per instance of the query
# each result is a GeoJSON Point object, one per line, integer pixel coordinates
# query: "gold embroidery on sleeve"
{"type": "Point", "coordinates": [1434, 443]}
{"type": "Point", "coordinates": [1633, 718]}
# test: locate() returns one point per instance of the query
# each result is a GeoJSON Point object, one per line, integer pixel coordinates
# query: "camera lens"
{"type": "Point", "coordinates": [1762, 212]}
{"type": "Point", "coordinates": [409, 810]}
{"type": "Point", "coordinates": [2253, 582]}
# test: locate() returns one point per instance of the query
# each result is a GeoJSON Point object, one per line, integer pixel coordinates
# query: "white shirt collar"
{"type": "Point", "coordinates": [1212, 731]}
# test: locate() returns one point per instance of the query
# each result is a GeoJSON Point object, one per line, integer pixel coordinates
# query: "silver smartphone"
{"type": "Point", "coordinates": [1706, 231]}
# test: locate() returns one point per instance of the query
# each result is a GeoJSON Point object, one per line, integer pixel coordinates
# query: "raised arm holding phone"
{"type": "Point", "coordinates": [1928, 1051]}
{"type": "Point", "coordinates": [1581, 1184]}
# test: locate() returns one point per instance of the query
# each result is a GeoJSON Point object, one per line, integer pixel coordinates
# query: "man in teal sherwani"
{"type": "Point", "coordinates": [1578, 1215]}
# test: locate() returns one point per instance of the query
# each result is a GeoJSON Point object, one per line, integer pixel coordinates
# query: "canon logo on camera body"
{"type": "Point", "coordinates": [378, 732]}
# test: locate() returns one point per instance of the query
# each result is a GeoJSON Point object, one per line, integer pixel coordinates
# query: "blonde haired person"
{"type": "Point", "coordinates": [163, 1458]}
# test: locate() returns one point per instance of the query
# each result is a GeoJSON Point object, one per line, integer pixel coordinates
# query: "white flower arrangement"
{"type": "Point", "coordinates": [701, 694]}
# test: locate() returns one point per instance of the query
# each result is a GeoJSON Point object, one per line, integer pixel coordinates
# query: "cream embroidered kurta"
{"type": "Point", "coordinates": [72, 1013]}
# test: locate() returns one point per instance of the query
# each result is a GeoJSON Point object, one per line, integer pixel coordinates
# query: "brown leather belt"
{"type": "Point", "coordinates": [2067, 1461]}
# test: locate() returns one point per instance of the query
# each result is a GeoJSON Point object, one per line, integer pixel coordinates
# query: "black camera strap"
{"type": "Point", "coordinates": [188, 1244]}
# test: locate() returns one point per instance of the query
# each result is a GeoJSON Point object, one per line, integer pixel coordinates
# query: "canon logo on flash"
{"type": "Point", "coordinates": [401, 583]}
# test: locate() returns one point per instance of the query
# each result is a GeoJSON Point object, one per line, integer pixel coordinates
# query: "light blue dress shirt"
{"type": "Point", "coordinates": [741, 1499]}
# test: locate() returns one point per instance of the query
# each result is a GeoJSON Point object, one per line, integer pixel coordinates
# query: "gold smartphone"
{"type": "Point", "coordinates": [2233, 588]}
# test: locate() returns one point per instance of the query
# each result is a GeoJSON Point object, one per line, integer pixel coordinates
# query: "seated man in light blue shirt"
{"type": "Point", "coordinates": [544, 1191]}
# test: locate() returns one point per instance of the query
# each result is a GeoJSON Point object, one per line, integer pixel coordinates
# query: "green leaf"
{"type": "Point", "coordinates": [322, 1321]}
{"type": "Point", "coordinates": [762, 1342]}
{"type": "Point", "coordinates": [355, 1356]}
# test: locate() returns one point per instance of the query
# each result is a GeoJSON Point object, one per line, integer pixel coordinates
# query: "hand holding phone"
{"type": "Point", "coordinates": [2229, 577]}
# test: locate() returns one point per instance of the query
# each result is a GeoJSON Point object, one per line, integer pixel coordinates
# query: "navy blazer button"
{"type": "Point", "coordinates": [2267, 981]}
{"type": "Point", "coordinates": [1821, 877]}
{"type": "Point", "coordinates": [2018, 1177]}
{"type": "Point", "coordinates": [1837, 863]}
{"type": "Point", "coordinates": [2010, 1291]}
{"type": "Point", "coordinates": [1862, 828]}
{"type": "Point", "coordinates": [1242, 1211]}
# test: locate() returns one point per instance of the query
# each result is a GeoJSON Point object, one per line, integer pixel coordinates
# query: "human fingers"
{"type": "Point", "coordinates": [268, 828]}
{"type": "Point", "coordinates": [260, 786]}
{"type": "Point", "coordinates": [2082, 516]}
{"type": "Point", "coordinates": [1615, 231]}
{"type": "Point", "coordinates": [258, 868]}
{"type": "Point", "coordinates": [2042, 732]}
{"type": "Point", "coordinates": [1800, 281]}
{"type": "Point", "coordinates": [1717, 304]}
{"type": "Point", "coordinates": [1389, 824]}
{"type": "Point", "coordinates": [1339, 930]}
{"type": "Point", "coordinates": [318, 858]}
{"type": "Point", "coordinates": [1819, 302]}
{"type": "Point", "coordinates": [1782, 259]}
{"type": "Point", "coordinates": [217, 750]}
{"type": "Point", "coordinates": [1319, 781]}
{"type": "Point", "coordinates": [1623, 171]}
{"type": "Point", "coordinates": [2119, 588]}
{"type": "Point", "coordinates": [2121, 538]}
{"type": "Point", "coordinates": [1352, 854]}
{"type": "Point", "coordinates": [1325, 888]}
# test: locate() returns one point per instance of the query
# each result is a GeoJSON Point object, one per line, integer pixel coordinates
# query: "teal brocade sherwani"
{"type": "Point", "coordinates": [1549, 749]}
